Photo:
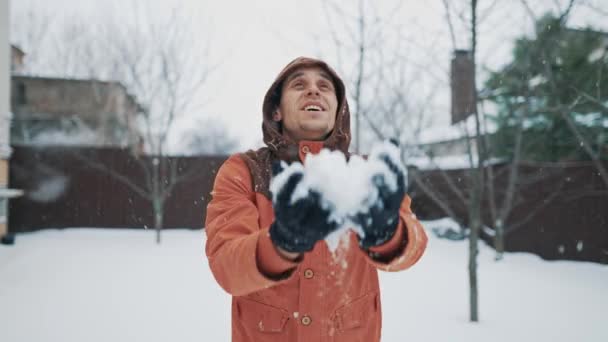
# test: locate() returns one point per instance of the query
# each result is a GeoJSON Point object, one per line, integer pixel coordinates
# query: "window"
{"type": "Point", "coordinates": [21, 94]}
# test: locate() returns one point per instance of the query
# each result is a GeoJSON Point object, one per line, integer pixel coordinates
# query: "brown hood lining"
{"type": "Point", "coordinates": [280, 148]}
{"type": "Point", "coordinates": [339, 138]}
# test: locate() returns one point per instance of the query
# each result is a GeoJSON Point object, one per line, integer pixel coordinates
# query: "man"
{"type": "Point", "coordinates": [271, 257]}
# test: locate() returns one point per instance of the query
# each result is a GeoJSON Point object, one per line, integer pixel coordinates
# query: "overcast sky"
{"type": "Point", "coordinates": [255, 39]}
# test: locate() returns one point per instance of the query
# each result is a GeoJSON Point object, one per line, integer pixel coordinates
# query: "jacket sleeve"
{"type": "Point", "coordinates": [234, 235]}
{"type": "Point", "coordinates": [405, 248]}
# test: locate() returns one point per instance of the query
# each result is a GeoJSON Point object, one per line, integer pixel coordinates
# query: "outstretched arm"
{"type": "Point", "coordinates": [241, 256]}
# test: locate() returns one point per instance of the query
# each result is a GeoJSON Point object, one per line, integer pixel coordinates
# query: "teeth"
{"type": "Point", "coordinates": [313, 107]}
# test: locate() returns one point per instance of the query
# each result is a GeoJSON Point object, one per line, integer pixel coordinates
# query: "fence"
{"type": "Point", "coordinates": [66, 187]}
{"type": "Point", "coordinates": [561, 211]}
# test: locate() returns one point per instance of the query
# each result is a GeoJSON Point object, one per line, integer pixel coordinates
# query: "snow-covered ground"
{"type": "Point", "coordinates": [118, 285]}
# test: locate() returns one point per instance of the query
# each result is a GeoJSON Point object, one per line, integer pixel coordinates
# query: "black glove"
{"type": "Point", "coordinates": [380, 222]}
{"type": "Point", "coordinates": [299, 225]}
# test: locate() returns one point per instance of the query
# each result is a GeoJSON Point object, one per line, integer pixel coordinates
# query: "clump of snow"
{"type": "Point", "coordinates": [278, 181]}
{"type": "Point", "coordinates": [339, 236]}
{"type": "Point", "coordinates": [488, 231]}
{"type": "Point", "coordinates": [597, 54]}
{"type": "Point", "coordinates": [81, 135]}
{"type": "Point", "coordinates": [537, 80]}
{"type": "Point", "coordinates": [446, 228]}
{"type": "Point", "coordinates": [593, 119]}
{"type": "Point", "coordinates": [346, 187]}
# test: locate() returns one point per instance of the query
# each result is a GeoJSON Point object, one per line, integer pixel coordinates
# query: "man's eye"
{"type": "Point", "coordinates": [298, 85]}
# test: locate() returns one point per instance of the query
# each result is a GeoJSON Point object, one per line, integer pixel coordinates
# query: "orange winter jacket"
{"type": "Point", "coordinates": [322, 297]}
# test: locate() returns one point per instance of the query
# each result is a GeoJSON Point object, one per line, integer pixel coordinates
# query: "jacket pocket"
{"type": "Point", "coordinates": [357, 313]}
{"type": "Point", "coordinates": [261, 317]}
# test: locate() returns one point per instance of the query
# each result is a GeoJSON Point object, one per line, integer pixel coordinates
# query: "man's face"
{"type": "Point", "coordinates": [308, 105]}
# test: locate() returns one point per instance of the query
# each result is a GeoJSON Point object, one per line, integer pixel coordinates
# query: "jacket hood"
{"type": "Point", "coordinates": [287, 149]}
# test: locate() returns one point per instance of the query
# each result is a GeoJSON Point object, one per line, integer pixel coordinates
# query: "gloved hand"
{"type": "Point", "coordinates": [380, 222]}
{"type": "Point", "coordinates": [299, 225]}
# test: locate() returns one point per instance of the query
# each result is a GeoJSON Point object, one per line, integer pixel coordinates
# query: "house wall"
{"type": "Point", "coordinates": [58, 97]}
{"type": "Point", "coordinates": [103, 107]}
{"type": "Point", "coordinates": [3, 173]}
{"type": "Point", "coordinates": [16, 60]}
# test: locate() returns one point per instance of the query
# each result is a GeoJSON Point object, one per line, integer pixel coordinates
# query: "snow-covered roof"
{"type": "Point", "coordinates": [591, 119]}
{"type": "Point", "coordinates": [17, 49]}
{"type": "Point", "coordinates": [454, 162]}
{"type": "Point", "coordinates": [84, 136]}
{"type": "Point", "coordinates": [446, 132]}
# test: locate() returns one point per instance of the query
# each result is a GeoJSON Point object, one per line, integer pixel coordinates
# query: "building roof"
{"type": "Point", "coordinates": [445, 132]}
{"type": "Point", "coordinates": [87, 82]}
{"type": "Point", "coordinates": [17, 49]}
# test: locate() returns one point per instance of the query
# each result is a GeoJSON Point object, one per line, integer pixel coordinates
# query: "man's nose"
{"type": "Point", "coordinates": [313, 90]}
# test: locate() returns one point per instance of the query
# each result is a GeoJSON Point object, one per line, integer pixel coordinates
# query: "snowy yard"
{"type": "Point", "coordinates": [118, 285]}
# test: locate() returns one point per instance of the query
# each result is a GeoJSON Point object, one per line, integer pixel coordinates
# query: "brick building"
{"type": "Point", "coordinates": [45, 111]}
{"type": "Point", "coordinates": [59, 111]}
{"type": "Point", "coordinates": [62, 111]}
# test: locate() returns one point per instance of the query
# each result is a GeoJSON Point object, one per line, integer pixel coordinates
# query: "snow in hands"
{"type": "Point", "coordinates": [346, 188]}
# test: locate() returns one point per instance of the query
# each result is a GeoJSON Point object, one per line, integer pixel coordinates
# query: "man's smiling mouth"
{"type": "Point", "coordinates": [313, 108]}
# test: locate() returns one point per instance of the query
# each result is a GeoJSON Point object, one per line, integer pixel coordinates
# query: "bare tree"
{"type": "Point", "coordinates": [373, 51]}
{"type": "Point", "coordinates": [375, 64]}
{"type": "Point", "coordinates": [165, 65]}
{"type": "Point", "coordinates": [483, 177]}
{"type": "Point", "coordinates": [163, 61]}
{"type": "Point", "coordinates": [381, 85]}
{"type": "Point", "coordinates": [384, 83]}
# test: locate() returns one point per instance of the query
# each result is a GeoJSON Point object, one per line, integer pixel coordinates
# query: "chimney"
{"type": "Point", "coordinates": [462, 83]}
{"type": "Point", "coordinates": [17, 56]}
